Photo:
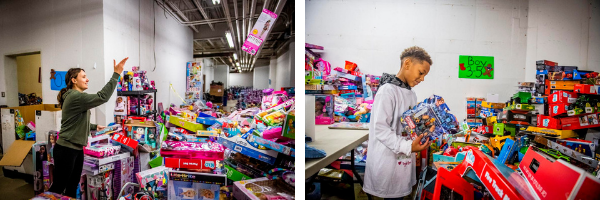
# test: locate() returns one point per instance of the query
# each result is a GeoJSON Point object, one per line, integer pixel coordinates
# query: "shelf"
{"type": "Point", "coordinates": [135, 93]}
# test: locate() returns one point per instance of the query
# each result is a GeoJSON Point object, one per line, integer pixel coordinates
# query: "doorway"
{"type": "Point", "coordinates": [23, 78]}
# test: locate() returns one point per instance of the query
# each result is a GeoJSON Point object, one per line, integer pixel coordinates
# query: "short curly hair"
{"type": "Point", "coordinates": [416, 52]}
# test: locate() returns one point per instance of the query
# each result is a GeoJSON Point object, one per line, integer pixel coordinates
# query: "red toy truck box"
{"type": "Point", "coordinates": [542, 173]}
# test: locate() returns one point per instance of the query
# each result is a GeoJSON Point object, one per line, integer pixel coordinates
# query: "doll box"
{"type": "Point", "coordinates": [101, 150]}
{"type": "Point", "coordinates": [240, 145]}
{"type": "Point", "coordinates": [242, 190]}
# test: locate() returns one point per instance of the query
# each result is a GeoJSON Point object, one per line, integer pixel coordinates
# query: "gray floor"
{"type": "Point", "coordinates": [16, 189]}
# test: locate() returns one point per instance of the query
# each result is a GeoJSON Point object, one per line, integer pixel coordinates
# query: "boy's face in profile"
{"type": "Point", "coordinates": [415, 71]}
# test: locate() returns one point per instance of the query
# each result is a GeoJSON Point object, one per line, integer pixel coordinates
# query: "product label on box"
{"type": "Point", "coordinates": [259, 32]}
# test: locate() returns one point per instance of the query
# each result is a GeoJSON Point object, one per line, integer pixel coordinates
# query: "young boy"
{"type": "Point", "coordinates": [390, 170]}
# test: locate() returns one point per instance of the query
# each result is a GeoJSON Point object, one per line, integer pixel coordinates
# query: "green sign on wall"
{"type": "Point", "coordinates": [476, 67]}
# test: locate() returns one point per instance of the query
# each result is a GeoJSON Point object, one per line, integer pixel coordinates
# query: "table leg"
{"type": "Point", "coordinates": [356, 173]}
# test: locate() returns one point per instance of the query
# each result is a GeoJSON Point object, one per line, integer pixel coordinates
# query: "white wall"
{"type": "Point", "coordinates": [221, 74]}
{"type": "Point", "coordinates": [261, 75]}
{"type": "Point", "coordinates": [375, 34]}
{"type": "Point", "coordinates": [272, 72]}
{"type": "Point", "coordinates": [129, 32]}
{"type": "Point", "coordinates": [285, 68]}
{"type": "Point", "coordinates": [241, 79]}
{"type": "Point", "coordinates": [208, 70]}
{"type": "Point", "coordinates": [567, 32]}
{"type": "Point", "coordinates": [68, 34]}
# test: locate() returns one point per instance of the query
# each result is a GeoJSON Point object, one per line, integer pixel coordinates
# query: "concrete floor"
{"type": "Point", "coordinates": [16, 189]}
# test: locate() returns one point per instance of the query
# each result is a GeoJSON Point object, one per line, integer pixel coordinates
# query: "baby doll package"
{"type": "Point", "coordinates": [431, 117]}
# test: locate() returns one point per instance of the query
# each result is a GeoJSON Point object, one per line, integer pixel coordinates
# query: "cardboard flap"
{"type": "Point", "coordinates": [139, 123]}
{"type": "Point", "coordinates": [17, 153]}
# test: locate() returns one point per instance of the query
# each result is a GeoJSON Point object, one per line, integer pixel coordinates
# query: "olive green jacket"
{"type": "Point", "coordinates": [75, 124]}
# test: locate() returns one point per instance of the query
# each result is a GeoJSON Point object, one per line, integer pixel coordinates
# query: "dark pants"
{"type": "Point", "coordinates": [68, 164]}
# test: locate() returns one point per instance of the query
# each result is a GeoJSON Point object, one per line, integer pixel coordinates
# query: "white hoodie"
{"type": "Point", "coordinates": [390, 170]}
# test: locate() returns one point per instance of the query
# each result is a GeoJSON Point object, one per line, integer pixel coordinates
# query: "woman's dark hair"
{"type": "Point", "coordinates": [71, 74]}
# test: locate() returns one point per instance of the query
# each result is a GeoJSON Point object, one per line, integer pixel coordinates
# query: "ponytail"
{"type": "Point", "coordinates": [71, 74]}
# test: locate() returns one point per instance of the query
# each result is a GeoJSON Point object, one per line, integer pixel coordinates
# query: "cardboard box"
{"type": "Point", "coordinates": [558, 109]}
{"type": "Point", "coordinates": [585, 89]}
{"type": "Point", "coordinates": [562, 97]}
{"type": "Point", "coordinates": [125, 142]}
{"type": "Point", "coordinates": [561, 85]}
{"type": "Point", "coordinates": [216, 90]}
{"type": "Point", "coordinates": [542, 171]}
{"type": "Point", "coordinates": [580, 122]}
{"type": "Point", "coordinates": [548, 122]}
{"type": "Point", "coordinates": [546, 62]}
{"type": "Point", "coordinates": [241, 193]}
{"type": "Point", "coordinates": [240, 145]}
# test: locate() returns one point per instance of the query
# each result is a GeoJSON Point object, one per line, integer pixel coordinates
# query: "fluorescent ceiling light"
{"type": "Point", "coordinates": [235, 56]}
{"type": "Point", "coordinates": [216, 2]}
{"type": "Point", "coordinates": [237, 64]}
{"type": "Point", "coordinates": [229, 39]}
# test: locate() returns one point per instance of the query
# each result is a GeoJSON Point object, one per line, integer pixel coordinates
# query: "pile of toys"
{"type": "Point", "coordinates": [135, 80]}
{"type": "Point", "coordinates": [341, 94]}
{"type": "Point", "coordinates": [429, 117]}
{"type": "Point", "coordinates": [537, 145]}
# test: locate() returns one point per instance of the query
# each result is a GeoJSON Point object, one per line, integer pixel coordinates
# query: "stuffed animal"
{"type": "Point", "coordinates": [364, 108]}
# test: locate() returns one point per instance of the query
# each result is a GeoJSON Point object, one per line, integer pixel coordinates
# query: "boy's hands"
{"type": "Point", "coordinates": [417, 146]}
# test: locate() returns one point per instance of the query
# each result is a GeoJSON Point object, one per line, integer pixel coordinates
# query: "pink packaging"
{"type": "Point", "coordinates": [272, 133]}
{"type": "Point", "coordinates": [192, 150]}
{"type": "Point", "coordinates": [101, 150]}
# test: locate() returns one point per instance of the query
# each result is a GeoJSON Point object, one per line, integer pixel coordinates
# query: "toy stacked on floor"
{"type": "Point", "coordinates": [538, 142]}
{"type": "Point", "coordinates": [135, 80]}
{"type": "Point", "coordinates": [193, 91]}
{"type": "Point", "coordinates": [248, 97]}
{"type": "Point", "coordinates": [475, 111]}
{"type": "Point", "coordinates": [248, 143]}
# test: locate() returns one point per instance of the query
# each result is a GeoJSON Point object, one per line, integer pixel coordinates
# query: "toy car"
{"type": "Point", "coordinates": [556, 154]}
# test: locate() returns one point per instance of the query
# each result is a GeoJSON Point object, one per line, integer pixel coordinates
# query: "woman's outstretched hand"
{"type": "Point", "coordinates": [119, 67]}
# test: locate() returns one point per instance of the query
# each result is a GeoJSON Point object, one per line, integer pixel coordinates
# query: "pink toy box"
{"type": "Point", "coordinates": [324, 109]}
{"type": "Point", "coordinates": [192, 150]}
{"type": "Point", "coordinates": [101, 150]}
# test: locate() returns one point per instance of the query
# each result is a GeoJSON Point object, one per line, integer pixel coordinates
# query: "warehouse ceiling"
{"type": "Point", "coordinates": [210, 20]}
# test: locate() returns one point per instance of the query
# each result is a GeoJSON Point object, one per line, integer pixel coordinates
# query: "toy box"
{"type": "Point", "coordinates": [179, 149]}
{"type": "Point", "coordinates": [585, 89]}
{"type": "Point", "coordinates": [191, 126]}
{"type": "Point", "coordinates": [158, 175]}
{"type": "Point", "coordinates": [289, 127]}
{"type": "Point", "coordinates": [471, 112]}
{"type": "Point", "coordinates": [101, 150]}
{"type": "Point", "coordinates": [207, 133]}
{"type": "Point", "coordinates": [272, 189]}
{"type": "Point", "coordinates": [558, 109]}
{"type": "Point", "coordinates": [546, 65]}
{"type": "Point", "coordinates": [561, 134]}
{"type": "Point", "coordinates": [241, 145]}
{"type": "Point", "coordinates": [540, 172]}
{"type": "Point", "coordinates": [234, 175]}
{"type": "Point", "coordinates": [582, 146]}
{"type": "Point", "coordinates": [548, 122]}
{"type": "Point", "coordinates": [191, 163]}
{"type": "Point", "coordinates": [206, 119]}
{"type": "Point", "coordinates": [272, 145]}
{"type": "Point", "coordinates": [486, 104]}
{"type": "Point", "coordinates": [143, 132]}
{"type": "Point", "coordinates": [103, 161]}
{"type": "Point", "coordinates": [580, 122]}
{"type": "Point", "coordinates": [195, 186]}
{"type": "Point", "coordinates": [522, 107]}
{"type": "Point", "coordinates": [125, 142]}
{"type": "Point", "coordinates": [499, 129]}
{"type": "Point", "coordinates": [448, 183]}
{"type": "Point", "coordinates": [471, 102]}
{"type": "Point", "coordinates": [324, 109]}
{"type": "Point", "coordinates": [100, 186]}
{"type": "Point", "coordinates": [560, 85]}
{"type": "Point", "coordinates": [430, 116]}
{"type": "Point", "coordinates": [562, 97]}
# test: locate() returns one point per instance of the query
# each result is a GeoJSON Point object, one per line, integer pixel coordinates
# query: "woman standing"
{"type": "Point", "coordinates": [75, 126]}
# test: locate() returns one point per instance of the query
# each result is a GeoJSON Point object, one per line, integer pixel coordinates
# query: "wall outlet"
{"type": "Point", "coordinates": [3, 94]}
